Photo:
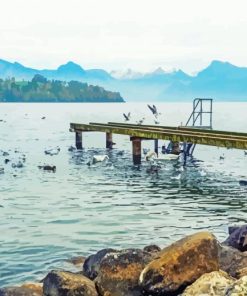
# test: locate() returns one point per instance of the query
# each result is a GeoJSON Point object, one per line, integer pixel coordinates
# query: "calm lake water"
{"type": "Point", "coordinates": [48, 217]}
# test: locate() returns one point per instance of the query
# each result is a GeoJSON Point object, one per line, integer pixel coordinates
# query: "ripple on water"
{"type": "Point", "coordinates": [47, 217]}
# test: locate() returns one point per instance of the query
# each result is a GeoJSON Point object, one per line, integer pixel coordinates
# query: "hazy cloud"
{"type": "Point", "coordinates": [115, 34]}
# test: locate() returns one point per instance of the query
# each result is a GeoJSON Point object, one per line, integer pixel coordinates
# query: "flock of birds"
{"type": "Point", "coordinates": [18, 161]}
{"type": "Point", "coordinates": [154, 111]}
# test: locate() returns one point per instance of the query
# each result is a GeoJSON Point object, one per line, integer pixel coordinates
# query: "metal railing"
{"type": "Point", "coordinates": [196, 118]}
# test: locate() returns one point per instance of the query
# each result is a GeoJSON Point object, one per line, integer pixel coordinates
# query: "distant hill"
{"type": "Point", "coordinates": [220, 80]}
{"type": "Point", "coordinates": [69, 71]}
{"type": "Point", "coordinates": [40, 89]}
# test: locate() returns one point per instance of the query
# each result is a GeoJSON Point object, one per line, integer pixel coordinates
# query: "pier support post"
{"type": "Point", "coordinates": [185, 154]}
{"type": "Point", "coordinates": [136, 150]}
{"type": "Point", "coordinates": [175, 148]}
{"type": "Point", "coordinates": [109, 142]}
{"type": "Point", "coordinates": [156, 146]}
{"type": "Point", "coordinates": [78, 140]}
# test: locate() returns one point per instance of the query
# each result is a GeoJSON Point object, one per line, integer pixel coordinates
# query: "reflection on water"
{"type": "Point", "coordinates": [47, 217]}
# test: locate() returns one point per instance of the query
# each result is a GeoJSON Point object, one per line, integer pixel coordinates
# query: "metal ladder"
{"type": "Point", "coordinates": [198, 111]}
{"type": "Point", "coordinates": [197, 120]}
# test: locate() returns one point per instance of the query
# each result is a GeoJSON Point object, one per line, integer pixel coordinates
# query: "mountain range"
{"type": "Point", "coordinates": [220, 80]}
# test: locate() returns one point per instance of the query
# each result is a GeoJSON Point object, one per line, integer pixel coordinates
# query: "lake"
{"type": "Point", "coordinates": [49, 217]}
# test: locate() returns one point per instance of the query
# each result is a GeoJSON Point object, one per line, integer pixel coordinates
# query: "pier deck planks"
{"type": "Point", "coordinates": [177, 134]}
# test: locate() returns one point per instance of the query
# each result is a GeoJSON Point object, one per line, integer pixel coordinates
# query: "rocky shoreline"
{"type": "Point", "coordinates": [196, 265]}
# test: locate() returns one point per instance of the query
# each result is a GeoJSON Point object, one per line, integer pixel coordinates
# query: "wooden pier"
{"type": "Point", "coordinates": [176, 135]}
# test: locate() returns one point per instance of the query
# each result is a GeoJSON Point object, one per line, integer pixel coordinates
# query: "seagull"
{"type": "Point", "coordinates": [99, 158]}
{"type": "Point", "coordinates": [140, 122]}
{"type": "Point", "coordinates": [127, 117]}
{"type": "Point", "coordinates": [43, 117]}
{"type": "Point", "coordinates": [151, 155]}
{"type": "Point", "coordinates": [47, 168]}
{"type": "Point", "coordinates": [18, 165]}
{"type": "Point", "coordinates": [222, 157]}
{"type": "Point", "coordinates": [245, 152]}
{"type": "Point", "coordinates": [71, 149]}
{"type": "Point", "coordinates": [53, 151]}
{"type": "Point", "coordinates": [154, 110]}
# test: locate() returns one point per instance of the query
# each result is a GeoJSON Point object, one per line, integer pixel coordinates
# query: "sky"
{"type": "Point", "coordinates": [120, 34]}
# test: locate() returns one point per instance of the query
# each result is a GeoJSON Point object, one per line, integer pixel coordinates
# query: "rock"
{"type": "Point", "coordinates": [241, 272]}
{"type": "Point", "coordinates": [152, 249]}
{"type": "Point", "coordinates": [239, 288]}
{"type": "Point", "coordinates": [91, 264]}
{"type": "Point", "coordinates": [119, 272]}
{"type": "Point", "coordinates": [78, 260]}
{"type": "Point", "coordinates": [18, 291]}
{"type": "Point", "coordinates": [237, 237]}
{"type": "Point", "coordinates": [64, 283]}
{"type": "Point", "coordinates": [214, 283]}
{"type": "Point", "coordinates": [232, 260]}
{"type": "Point", "coordinates": [180, 264]}
{"type": "Point", "coordinates": [35, 287]}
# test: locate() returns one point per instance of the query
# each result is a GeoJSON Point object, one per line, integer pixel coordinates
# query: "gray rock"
{"type": "Point", "coordinates": [91, 264]}
{"type": "Point", "coordinates": [64, 283]}
{"type": "Point", "coordinates": [237, 237]}
{"type": "Point", "coordinates": [232, 260]}
{"type": "Point", "coordinates": [119, 272]}
{"type": "Point", "coordinates": [18, 291]}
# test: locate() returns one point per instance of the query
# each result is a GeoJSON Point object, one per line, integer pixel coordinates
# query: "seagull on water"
{"type": "Point", "coordinates": [52, 151]}
{"type": "Point", "coordinates": [222, 157]}
{"type": "Point", "coordinates": [98, 158]}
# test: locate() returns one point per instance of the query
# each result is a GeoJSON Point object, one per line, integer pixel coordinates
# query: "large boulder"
{"type": "Point", "coordinates": [119, 273]}
{"type": "Point", "coordinates": [180, 264]}
{"type": "Point", "coordinates": [239, 288]}
{"type": "Point", "coordinates": [64, 283]}
{"type": "Point", "coordinates": [18, 291]}
{"type": "Point", "coordinates": [35, 287]}
{"type": "Point", "coordinates": [237, 237]}
{"type": "Point", "coordinates": [232, 261]}
{"type": "Point", "coordinates": [92, 263]}
{"type": "Point", "coordinates": [214, 283]}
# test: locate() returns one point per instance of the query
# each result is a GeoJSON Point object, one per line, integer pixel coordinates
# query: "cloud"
{"type": "Point", "coordinates": [140, 34]}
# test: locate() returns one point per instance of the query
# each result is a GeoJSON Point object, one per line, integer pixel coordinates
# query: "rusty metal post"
{"type": "Point", "coordinates": [156, 146]}
{"type": "Point", "coordinates": [109, 142]}
{"type": "Point", "coordinates": [136, 150]}
{"type": "Point", "coordinates": [78, 140]}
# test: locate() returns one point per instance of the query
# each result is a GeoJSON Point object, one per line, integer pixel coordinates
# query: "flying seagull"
{"type": "Point", "coordinates": [127, 117]}
{"type": "Point", "coordinates": [154, 110]}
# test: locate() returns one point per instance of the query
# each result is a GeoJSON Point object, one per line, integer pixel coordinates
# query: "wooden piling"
{"type": "Point", "coordinates": [136, 150]}
{"type": "Point", "coordinates": [156, 146]}
{"type": "Point", "coordinates": [109, 142]}
{"type": "Point", "coordinates": [175, 148]}
{"type": "Point", "coordinates": [78, 140]}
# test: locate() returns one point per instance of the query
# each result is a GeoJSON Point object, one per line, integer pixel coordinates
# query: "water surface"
{"type": "Point", "coordinates": [47, 217]}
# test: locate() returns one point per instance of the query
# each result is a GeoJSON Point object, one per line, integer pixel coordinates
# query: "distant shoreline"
{"type": "Point", "coordinates": [61, 102]}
